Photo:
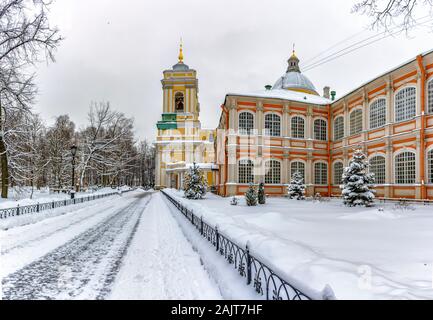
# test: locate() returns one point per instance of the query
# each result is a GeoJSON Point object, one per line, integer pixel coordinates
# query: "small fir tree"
{"type": "Point", "coordinates": [297, 187]}
{"type": "Point", "coordinates": [357, 183]}
{"type": "Point", "coordinates": [251, 196]}
{"type": "Point", "coordinates": [195, 184]}
{"type": "Point", "coordinates": [261, 193]}
{"type": "Point", "coordinates": [234, 201]}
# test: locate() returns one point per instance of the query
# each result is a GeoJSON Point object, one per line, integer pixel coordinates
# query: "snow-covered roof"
{"type": "Point", "coordinates": [381, 75]}
{"type": "Point", "coordinates": [285, 95]}
{"type": "Point", "coordinates": [294, 80]}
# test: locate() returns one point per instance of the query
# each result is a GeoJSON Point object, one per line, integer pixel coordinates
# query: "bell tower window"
{"type": "Point", "coordinates": [179, 102]}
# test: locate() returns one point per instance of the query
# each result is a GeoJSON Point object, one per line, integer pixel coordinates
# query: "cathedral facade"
{"type": "Point", "coordinates": [266, 136]}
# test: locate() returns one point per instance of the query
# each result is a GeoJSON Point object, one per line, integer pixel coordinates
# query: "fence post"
{"type": "Point", "coordinates": [18, 210]}
{"type": "Point", "coordinates": [201, 225]}
{"type": "Point", "coordinates": [37, 207]}
{"type": "Point", "coordinates": [217, 234]}
{"type": "Point", "coordinates": [65, 202]}
{"type": "Point", "coordinates": [247, 250]}
{"type": "Point", "coordinates": [53, 204]}
{"type": "Point", "coordinates": [192, 217]}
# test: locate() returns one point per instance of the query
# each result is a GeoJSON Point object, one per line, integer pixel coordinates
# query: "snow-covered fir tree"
{"type": "Point", "coordinates": [261, 193]}
{"type": "Point", "coordinates": [357, 182]}
{"type": "Point", "coordinates": [297, 186]}
{"type": "Point", "coordinates": [194, 184]}
{"type": "Point", "coordinates": [251, 196]}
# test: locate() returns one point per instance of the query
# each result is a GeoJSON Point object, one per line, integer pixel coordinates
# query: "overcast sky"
{"type": "Point", "coordinates": [116, 51]}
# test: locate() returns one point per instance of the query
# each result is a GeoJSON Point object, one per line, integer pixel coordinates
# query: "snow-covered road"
{"type": "Point", "coordinates": [128, 247]}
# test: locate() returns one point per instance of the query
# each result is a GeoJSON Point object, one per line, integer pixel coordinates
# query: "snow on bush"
{"type": "Point", "coordinates": [251, 195]}
{"type": "Point", "coordinates": [234, 201]}
{"type": "Point", "coordinates": [356, 190]}
{"type": "Point", "coordinates": [297, 187]}
{"type": "Point", "coordinates": [195, 184]}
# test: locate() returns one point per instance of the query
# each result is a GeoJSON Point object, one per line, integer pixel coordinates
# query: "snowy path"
{"type": "Point", "coordinates": [83, 267]}
{"type": "Point", "coordinates": [161, 263]}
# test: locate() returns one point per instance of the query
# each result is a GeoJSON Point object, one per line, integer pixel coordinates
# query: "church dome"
{"type": "Point", "coordinates": [294, 80]}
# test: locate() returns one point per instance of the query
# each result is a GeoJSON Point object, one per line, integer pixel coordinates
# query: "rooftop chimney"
{"type": "Point", "coordinates": [326, 92]}
{"type": "Point", "coordinates": [333, 93]}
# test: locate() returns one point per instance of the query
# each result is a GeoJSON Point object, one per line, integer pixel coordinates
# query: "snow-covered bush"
{"type": "Point", "coordinates": [195, 184]}
{"type": "Point", "coordinates": [261, 193]}
{"type": "Point", "coordinates": [357, 183]}
{"type": "Point", "coordinates": [297, 187]}
{"type": "Point", "coordinates": [317, 197]}
{"type": "Point", "coordinates": [403, 205]}
{"type": "Point", "coordinates": [234, 201]}
{"type": "Point", "coordinates": [251, 195]}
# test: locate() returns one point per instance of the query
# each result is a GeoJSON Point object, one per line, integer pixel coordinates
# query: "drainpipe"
{"type": "Point", "coordinates": [422, 133]}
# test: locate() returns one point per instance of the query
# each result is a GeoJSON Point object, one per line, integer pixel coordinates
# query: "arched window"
{"type": "Point", "coordinates": [179, 102]}
{"type": "Point", "coordinates": [430, 96]}
{"type": "Point", "coordinates": [378, 113]}
{"type": "Point", "coordinates": [320, 129]}
{"type": "Point", "coordinates": [273, 172]}
{"type": "Point", "coordinates": [405, 104]}
{"type": "Point", "coordinates": [298, 127]}
{"type": "Point", "coordinates": [338, 128]}
{"type": "Point", "coordinates": [377, 166]}
{"type": "Point", "coordinates": [338, 172]}
{"type": "Point", "coordinates": [297, 166]}
{"type": "Point", "coordinates": [246, 123]}
{"type": "Point", "coordinates": [245, 171]}
{"type": "Point", "coordinates": [273, 124]}
{"type": "Point", "coordinates": [430, 166]}
{"type": "Point", "coordinates": [356, 121]}
{"type": "Point", "coordinates": [320, 173]}
{"type": "Point", "coordinates": [405, 167]}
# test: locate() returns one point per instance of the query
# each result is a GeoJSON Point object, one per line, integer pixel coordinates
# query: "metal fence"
{"type": "Point", "coordinates": [38, 207]}
{"type": "Point", "coordinates": [264, 280]}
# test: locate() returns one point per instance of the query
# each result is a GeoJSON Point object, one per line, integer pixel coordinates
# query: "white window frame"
{"type": "Point", "coordinates": [243, 174]}
{"type": "Point", "coordinates": [429, 164]}
{"type": "Point", "coordinates": [405, 109]}
{"type": "Point", "coordinates": [355, 121]}
{"type": "Point", "coordinates": [302, 171]}
{"type": "Point", "coordinates": [334, 171]}
{"type": "Point", "coordinates": [296, 127]}
{"type": "Point", "coordinates": [273, 125]}
{"type": "Point", "coordinates": [430, 96]}
{"type": "Point", "coordinates": [273, 174]}
{"type": "Point", "coordinates": [340, 131]}
{"type": "Point", "coordinates": [246, 130]}
{"type": "Point", "coordinates": [406, 178]}
{"type": "Point", "coordinates": [377, 113]}
{"type": "Point", "coordinates": [381, 174]}
{"type": "Point", "coordinates": [320, 131]}
{"type": "Point", "coordinates": [323, 178]}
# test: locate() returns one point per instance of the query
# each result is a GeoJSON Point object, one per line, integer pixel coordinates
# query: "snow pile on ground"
{"type": "Point", "coordinates": [362, 253]}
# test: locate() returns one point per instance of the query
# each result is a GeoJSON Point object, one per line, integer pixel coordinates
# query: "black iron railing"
{"type": "Point", "coordinates": [38, 207]}
{"type": "Point", "coordinates": [264, 280]}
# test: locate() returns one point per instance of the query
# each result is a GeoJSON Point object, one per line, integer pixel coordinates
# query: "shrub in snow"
{"type": "Point", "coordinates": [297, 187]}
{"type": "Point", "coordinates": [195, 183]}
{"type": "Point", "coordinates": [357, 182]}
{"type": "Point", "coordinates": [234, 201]}
{"type": "Point", "coordinates": [261, 193]}
{"type": "Point", "coordinates": [403, 205]}
{"type": "Point", "coordinates": [251, 196]}
{"type": "Point", "coordinates": [317, 197]}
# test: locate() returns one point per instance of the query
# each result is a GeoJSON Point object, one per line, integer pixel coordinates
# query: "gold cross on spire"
{"type": "Point", "coordinates": [180, 52]}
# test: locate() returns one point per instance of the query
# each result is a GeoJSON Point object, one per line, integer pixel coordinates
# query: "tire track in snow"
{"type": "Point", "coordinates": [82, 268]}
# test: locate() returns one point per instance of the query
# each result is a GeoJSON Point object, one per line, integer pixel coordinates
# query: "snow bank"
{"type": "Point", "coordinates": [362, 253]}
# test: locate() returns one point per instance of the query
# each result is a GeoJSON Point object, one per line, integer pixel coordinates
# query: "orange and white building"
{"type": "Point", "coordinates": [267, 135]}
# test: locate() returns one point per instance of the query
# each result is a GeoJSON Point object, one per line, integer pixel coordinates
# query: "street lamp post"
{"type": "Point", "coordinates": [73, 153]}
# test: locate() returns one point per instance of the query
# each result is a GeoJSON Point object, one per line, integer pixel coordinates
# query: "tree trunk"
{"type": "Point", "coordinates": [4, 169]}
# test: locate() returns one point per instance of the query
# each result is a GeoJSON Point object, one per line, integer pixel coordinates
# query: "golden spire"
{"type": "Point", "coordinates": [180, 52]}
{"type": "Point", "coordinates": [293, 51]}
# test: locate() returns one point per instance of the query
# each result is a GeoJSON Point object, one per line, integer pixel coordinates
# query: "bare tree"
{"type": "Point", "coordinates": [26, 38]}
{"type": "Point", "coordinates": [400, 13]}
